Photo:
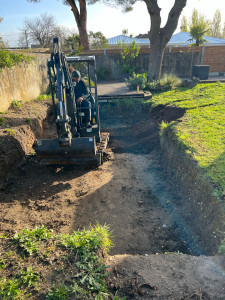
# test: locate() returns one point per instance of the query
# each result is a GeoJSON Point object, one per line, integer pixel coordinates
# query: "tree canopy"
{"type": "Point", "coordinates": [40, 30]}
{"type": "Point", "coordinates": [200, 23]}
{"type": "Point", "coordinates": [79, 9]}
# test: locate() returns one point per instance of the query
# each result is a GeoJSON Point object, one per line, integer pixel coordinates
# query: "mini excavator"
{"type": "Point", "coordinates": [76, 144]}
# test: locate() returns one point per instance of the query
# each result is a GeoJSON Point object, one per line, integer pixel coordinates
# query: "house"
{"type": "Point", "coordinates": [115, 41]}
{"type": "Point", "coordinates": [212, 52]}
{"type": "Point", "coordinates": [178, 39]}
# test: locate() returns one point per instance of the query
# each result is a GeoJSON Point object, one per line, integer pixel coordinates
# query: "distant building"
{"type": "Point", "coordinates": [115, 41]}
{"type": "Point", "coordinates": [178, 39]}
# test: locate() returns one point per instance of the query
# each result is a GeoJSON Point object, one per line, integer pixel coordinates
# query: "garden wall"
{"type": "Point", "coordinates": [214, 56]}
{"type": "Point", "coordinates": [178, 60]}
{"type": "Point", "coordinates": [179, 63]}
{"type": "Point", "coordinates": [23, 82]}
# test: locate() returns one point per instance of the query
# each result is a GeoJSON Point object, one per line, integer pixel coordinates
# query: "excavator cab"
{"type": "Point", "coordinates": [76, 143]}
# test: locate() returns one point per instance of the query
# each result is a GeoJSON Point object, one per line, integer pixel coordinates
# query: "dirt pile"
{"type": "Point", "coordinates": [19, 127]}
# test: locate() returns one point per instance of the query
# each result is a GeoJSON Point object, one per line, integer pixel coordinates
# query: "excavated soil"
{"type": "Point", "coordinates": [155, 256]}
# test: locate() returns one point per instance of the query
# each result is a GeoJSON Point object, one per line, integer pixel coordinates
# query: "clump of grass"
{"type": "Point", "coordinates": [58, 292]}
{"type": "Point", "coordinates": [28, 277]}
{"type": "Point", "coordinates": [164, 125]}
{"type": "Point", "coordinates": [10, 289]}
{"type": "Point", "coordinates": [44, 97]}
{"type": "Point", "coordinates": [169, 81]}
{"type": "Point", "coordinates": [16, 104]}
{"type": "Point", "coordinates": [11, 132]}
{"type": "Point", "coordinates": [1, 121]}
{"type": "Point", "coordinates": [29, 120]}
{"type": "Point", "coordinates": [29, 240]}
{"type": "Point", "coordinates": [87, 239]}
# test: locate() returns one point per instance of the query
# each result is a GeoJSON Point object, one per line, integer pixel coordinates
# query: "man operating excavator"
{"type": "Point", "coordinates": [81, 93]}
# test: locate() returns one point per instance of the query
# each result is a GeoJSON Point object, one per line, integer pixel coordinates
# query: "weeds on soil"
{"type": "Point", "coordinates": [11, 132]}
{"type": "Point", "coordinates": [16, 104]}
{"type": "Point", "coordinates": [1, 121]}
{"type": "Point", "coordinates": [44, 97]}
{"type": "Point", "coordinates": [38, 260]}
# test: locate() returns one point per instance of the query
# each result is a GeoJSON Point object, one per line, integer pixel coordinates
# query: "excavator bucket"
{"type": "Point", "coordinates": [81, 151]}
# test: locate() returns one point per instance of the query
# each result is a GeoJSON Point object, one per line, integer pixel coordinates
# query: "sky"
{"type": "Point", "coordinates": [109, 20]}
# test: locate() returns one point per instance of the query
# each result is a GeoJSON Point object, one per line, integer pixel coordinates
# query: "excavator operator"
{"type": "Point", "coordinates": [81, 92]}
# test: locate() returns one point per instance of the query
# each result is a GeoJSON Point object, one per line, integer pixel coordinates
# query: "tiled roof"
{"type": "Point", "coordinates": [181, 38]}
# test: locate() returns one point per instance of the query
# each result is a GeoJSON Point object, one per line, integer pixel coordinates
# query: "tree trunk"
{"type": "Point", "coordinates": [81, 20]}
{"type": "Point", "coordinates": [155, 60]}
{"type": "Point", "coordinates": [159, 37]}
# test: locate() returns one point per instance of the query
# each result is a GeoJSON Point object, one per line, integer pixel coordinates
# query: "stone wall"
{"type": "Point", "coordinates": [23, 82]}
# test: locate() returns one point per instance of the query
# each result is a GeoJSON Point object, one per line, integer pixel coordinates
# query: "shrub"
{"type": "Point", "coordinates": [169, 81]}
{"type": "Point", "coordinates": [8, 59]}
{"type": "Point", "coordinates": [128, 54]}
{"type": "Point", "coordinates": [135, 80]}
{"type": "Point", "coordinates": [222, 248]}
{"type": "Point", "coordinates": [152, 86]}
{"type": "Point", "coordinates": [104, 72]}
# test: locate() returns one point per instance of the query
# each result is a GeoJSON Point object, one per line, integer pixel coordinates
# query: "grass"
{"type": "Point", "coordinates": [29, 120]}
{"type": "Point", "coordinates": [222, 248]}
{"type": "Point", "coordinates": [202, 128]}
{"type": "Point", "coordinates": [44, 97]}
{"type": "Point", "coordinates": [1, 121]}
{"type": "Point", "coordinates": [29, 240]}
{"type": "Point", "coordinates": [11, 132]}
{"type": "Point", "coordinates": [170, 81]}
{"type": "Point", "coordinates": [39, 264]}
{"type": "Point", "coordinates": [16, 104]}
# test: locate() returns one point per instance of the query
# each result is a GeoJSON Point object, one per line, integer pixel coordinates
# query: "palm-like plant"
{"type": "Point", "coordinates": [197, 33]}
{"type": "Point", "coordinates": [198, 27]}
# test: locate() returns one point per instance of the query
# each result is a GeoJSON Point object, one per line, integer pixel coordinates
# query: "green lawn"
{"type": "Point", "coordinates": [202, 128]}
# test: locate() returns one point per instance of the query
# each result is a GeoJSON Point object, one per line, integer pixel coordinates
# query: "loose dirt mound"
{"type": "Point", "coordinates": [19, 127]}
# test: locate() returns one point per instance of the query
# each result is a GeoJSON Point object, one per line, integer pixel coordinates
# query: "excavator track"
{"type": "Point", "coordinates": [102, 145]}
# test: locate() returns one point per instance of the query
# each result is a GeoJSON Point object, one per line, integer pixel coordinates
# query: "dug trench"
{"type": "Point", "coordinates": [165, 246]}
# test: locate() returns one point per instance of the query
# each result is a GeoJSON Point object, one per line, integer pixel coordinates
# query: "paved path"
{"type": "Point", "coordinates": [114, 88]}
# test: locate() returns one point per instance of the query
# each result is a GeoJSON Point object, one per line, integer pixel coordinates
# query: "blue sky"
{"type": "Point", "coordinates": [110, 21]}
